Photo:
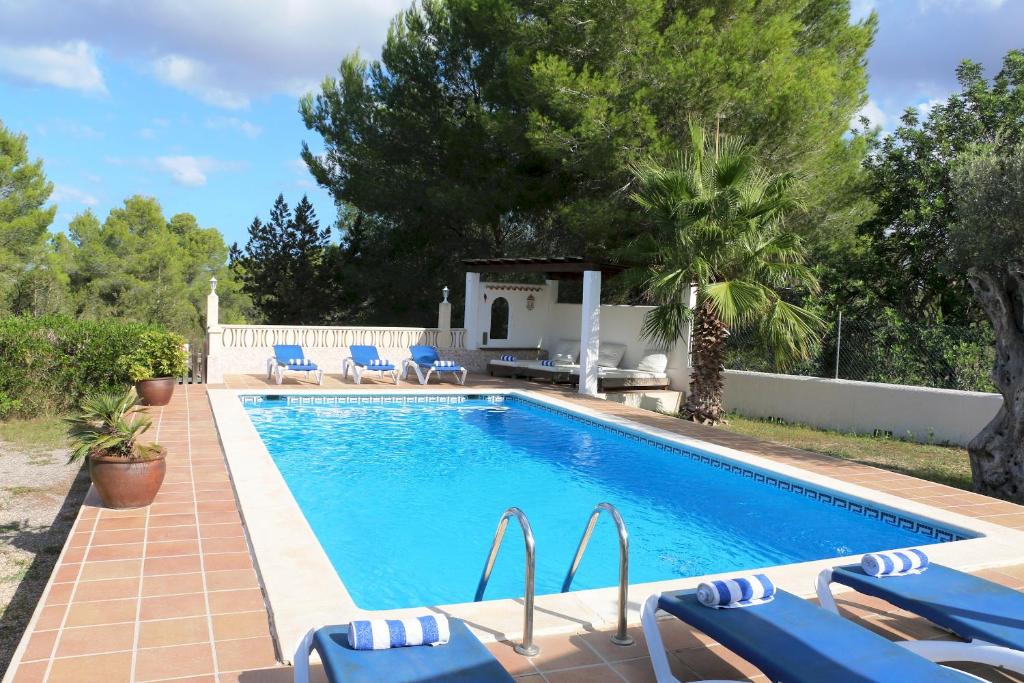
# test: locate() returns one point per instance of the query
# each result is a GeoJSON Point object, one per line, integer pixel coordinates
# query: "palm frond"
{"type": "Point", "coordinates": [736, 302]}
{"type": "Point", "coordinates": [665, 324]}
{"type": "Point", "coordinates": [791, 332]}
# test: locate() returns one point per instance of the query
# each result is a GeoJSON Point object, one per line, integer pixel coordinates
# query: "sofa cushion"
{"type": "Point", "coordinates": [610, 355]}
{"type": "Point", "coordinates": [653, 361]}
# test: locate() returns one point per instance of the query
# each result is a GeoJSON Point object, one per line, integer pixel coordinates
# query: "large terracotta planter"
{"type": "Point", "coordinates": [127, 483]}
{"type": "Point", "coordinates": [155, 392]}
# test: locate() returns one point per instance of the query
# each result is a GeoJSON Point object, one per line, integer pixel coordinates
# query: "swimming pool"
{"type": "Point", "coordinates": [404, 492]}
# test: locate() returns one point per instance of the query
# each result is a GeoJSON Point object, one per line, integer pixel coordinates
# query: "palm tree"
{"type": "Point", "coordinates": [719, 256]}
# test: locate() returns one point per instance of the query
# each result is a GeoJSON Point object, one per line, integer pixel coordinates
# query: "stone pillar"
{"type": "Point", "coordinates": [214, 371]}
{"type": "Point", "coordinates": [444, 312]}
{"type": "Point", "coordinates": [590, 331]}
{"type": "Point", "coordinates": [471, 322]}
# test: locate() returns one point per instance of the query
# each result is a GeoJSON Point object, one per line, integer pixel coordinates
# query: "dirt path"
{"type": "Point", "coordinates": [39, 499]}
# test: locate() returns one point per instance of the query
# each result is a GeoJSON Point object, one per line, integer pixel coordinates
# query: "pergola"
{"type": "Point", "coordinates": [553, 268]}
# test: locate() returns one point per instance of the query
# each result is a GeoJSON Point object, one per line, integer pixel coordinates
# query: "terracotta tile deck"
{"type": "Point", "coordinates": [170, 592]}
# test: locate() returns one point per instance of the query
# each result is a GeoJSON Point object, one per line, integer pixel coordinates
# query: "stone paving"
{"type": "Point", "coordinates": [171, 593]}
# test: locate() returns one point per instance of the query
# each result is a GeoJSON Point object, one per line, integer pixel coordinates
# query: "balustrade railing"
{"type": "Point", "coordinates": [262, 336]}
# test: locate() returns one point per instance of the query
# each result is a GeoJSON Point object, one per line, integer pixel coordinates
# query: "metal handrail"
{"type": "Point", "coordinates": [527, 647]}
{"type": "Point", "coordinates": [620, 637]}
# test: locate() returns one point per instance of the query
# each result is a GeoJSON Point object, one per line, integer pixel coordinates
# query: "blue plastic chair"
{"type": "Point", "coordinates": [366, 358]}
{"type": "Point", "coordinates": [425, 361]}
{"type": "Point", "coordinates": [987, 615]}
{"type": "Point", "coordinates": [291, 358]}
{"type": "Point", "coordinates": [792, 640]}
{"type": "Point", "coordinates": [463, 659]}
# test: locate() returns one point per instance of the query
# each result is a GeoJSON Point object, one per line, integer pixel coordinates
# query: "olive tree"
{"type": "Point", "coordinates": [987, 243]}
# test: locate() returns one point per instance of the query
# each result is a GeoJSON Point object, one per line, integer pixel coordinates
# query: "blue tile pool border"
{"type": "Point", "coordinates": [850, 504]}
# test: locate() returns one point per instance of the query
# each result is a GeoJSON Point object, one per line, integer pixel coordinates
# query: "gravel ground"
{"type": "Point", "coordinates": [39, 498]}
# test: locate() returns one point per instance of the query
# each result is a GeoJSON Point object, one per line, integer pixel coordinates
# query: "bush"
{"type": "Point", "coordinates": [158, 354]}
{"type": "Point", "coordinates": [48, 364]}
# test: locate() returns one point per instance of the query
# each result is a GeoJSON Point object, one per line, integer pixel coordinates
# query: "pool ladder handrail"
{"type": "Point", "coordinates": [527, 648]}
{"type": "Point", "coordinates": [620, 637]}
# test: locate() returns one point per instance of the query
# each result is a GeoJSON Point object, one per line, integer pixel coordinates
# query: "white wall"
{"type": "Point", "coordinates": [525, 327]}
{"type": "Point", "coordinates": [620, 325]}
{"type": "Point", "coordinates": [918, 413]}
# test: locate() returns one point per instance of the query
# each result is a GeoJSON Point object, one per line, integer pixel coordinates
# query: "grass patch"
{"type": "Point", "coordinates": [20, 490]}
{"type": "Point", "coordinates": [941, 464]}
{"type": "Point", "coordinates": [35, 434]}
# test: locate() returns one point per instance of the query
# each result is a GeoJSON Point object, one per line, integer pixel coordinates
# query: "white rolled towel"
{"type": "Point", "coordinates": [737, 591]}
{"type": "Point", "coordinates": [894, 562]}
{"type": "Point", "coordinates": [383, 634]}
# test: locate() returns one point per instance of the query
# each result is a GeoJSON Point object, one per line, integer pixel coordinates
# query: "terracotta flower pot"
{"type": "Point", "coordinates": [155, 392]}
{"type": "Point", "coordinates": [127, 483]}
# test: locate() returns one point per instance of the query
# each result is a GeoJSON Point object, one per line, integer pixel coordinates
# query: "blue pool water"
{"type": "Point", "coordinates": [404, 497]}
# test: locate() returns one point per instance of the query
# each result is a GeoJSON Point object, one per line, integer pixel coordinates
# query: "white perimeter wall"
{"type": "Point", "coordinates": [917, 413]}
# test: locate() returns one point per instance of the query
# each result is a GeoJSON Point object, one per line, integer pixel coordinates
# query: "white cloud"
{"type": "Point", "coordinates": [225, 52]}
{"type": "Point", "coordinates": [147, 133]}
{"type": "Point", "coordinates": [246, 128]}
{"type": "Point", "coordinates": [191, 171]}
{"type": "Point", "coordinates": [69, 65]}
{"type": "Point", "coordinates": [72, 194]}
{"type": "Point", "coordinates": [873, 113]}
{"type": "Point", "coordinates": [925, 108]}
{"type": "Point", "coordinates": [953, 5]}
{"type": "Point", "coordinates": [195, 78]}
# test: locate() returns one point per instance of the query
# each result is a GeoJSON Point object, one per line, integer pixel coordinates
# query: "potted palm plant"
{"type": "Point", "coordinates": [154, 365]}
{"type": "Point", "coordinates": [105, 434]}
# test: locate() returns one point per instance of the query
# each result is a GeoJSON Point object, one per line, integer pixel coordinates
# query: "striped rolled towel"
{"type": "Point", "coordinates": [548, 363]}
{"type": "Point", "coordinates": [444, 364]}
{"type": "Point", "coordinates": [299, 361]}
{"type": "Point", "coordinates": [894, 563]}
{"type": "Point", "coordinates": [508, 357]}
{"type": "Point", "coordinates": [738, 591]}
{"type": "Point", "coordinates": [376, 363]}
{"type": "Point", "coordinates": [382, 634]}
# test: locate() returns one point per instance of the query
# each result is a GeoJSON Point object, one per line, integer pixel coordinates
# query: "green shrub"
{"type": "Point", "coordinates": [158, 354]}
{"type": "Point", "coordinates": [48, 364]}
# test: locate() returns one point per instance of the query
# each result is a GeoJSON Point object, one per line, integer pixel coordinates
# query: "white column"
{"type": "Point", "coordinates": [471, 323]}
{"type": "Point", "coordinates": [444, 313]}
{"type": "Point", "coordinates": [214, 371]}
{"type": "Point", "coordinates": [590, 331]}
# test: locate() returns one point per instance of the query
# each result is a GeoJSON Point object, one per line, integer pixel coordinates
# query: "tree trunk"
{"type": "Point", "coordinates": [997, 452]}
{"type": "Point", "coordinates": [704, 404]}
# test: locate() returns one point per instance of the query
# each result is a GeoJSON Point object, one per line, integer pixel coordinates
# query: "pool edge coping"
{"type": "Point", "coordinates": [289, 557]}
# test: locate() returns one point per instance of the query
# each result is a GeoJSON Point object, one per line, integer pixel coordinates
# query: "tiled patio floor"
{"type": "Point", "coordinates": [170, 592]}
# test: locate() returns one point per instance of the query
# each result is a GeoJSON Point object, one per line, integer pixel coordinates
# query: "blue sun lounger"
{"type": "Point", "coordinates": [463, 659]}
{"type": "Point", "coordinates": [425, 362]}
{"type": "Point", "coordinates": [365, 358]}
{"type": "Point", "coordinates": [792, 640]}
{"type": "Point", "coordinates": [291, 358]}
{"type": "Point", "coordinates": [989, 616]}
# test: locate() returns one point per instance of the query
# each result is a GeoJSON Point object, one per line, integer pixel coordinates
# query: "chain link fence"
{"type": "Point", "coordinates": [882, 346]}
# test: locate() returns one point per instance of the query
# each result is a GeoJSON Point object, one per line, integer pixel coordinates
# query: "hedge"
{"type": "Point", "coordinates": [48, 363]}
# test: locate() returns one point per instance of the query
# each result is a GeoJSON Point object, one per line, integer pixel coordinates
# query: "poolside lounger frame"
{"type": "Point", "coordinates": [950, 608]}
{"type": "Point", "coordinates": [424, 369]}
{"type": "Point", "coordinates": [277, 366]}
{"type": "Point", "coordinates": [463, 659]}
{"type": "Point", "coordinates": [359, 365]}
{"type": "Point", "coordinates": [790, 639]}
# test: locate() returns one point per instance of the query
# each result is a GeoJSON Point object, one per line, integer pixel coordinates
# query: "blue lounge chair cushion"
{"type": "Point", "coordinates": [793, 640]}
{"type": "Point", "coordinates": [969, 606]}
{"type": "Point", "coordinates": [462, 660]}
{"type": "Point", "coordinates": [363, 354]}
{"type": "Point", "coordinates": [284, 354]}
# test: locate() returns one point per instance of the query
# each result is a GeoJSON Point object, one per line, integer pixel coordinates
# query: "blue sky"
{"type": "Point", "coordinates": [195, 102]}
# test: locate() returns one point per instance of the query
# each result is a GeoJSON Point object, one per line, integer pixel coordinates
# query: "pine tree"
{"type": "Point", "coordinates": [281, 265]}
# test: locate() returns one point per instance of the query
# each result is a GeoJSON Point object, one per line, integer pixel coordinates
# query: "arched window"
{"type": "Point", "coordinates": [499, 318]}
